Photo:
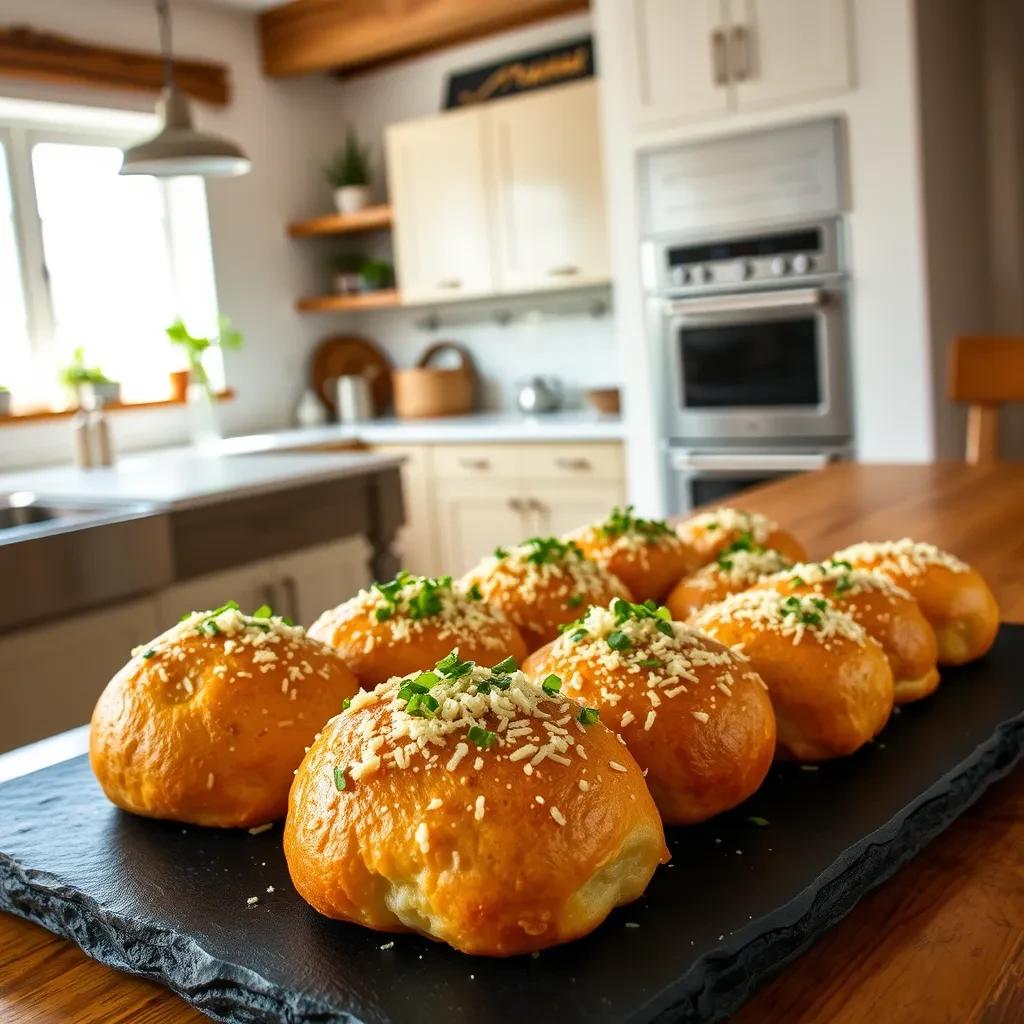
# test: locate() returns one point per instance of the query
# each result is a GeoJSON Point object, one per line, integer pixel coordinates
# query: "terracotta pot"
{"type": "Point", "coordinates": [179, 384]}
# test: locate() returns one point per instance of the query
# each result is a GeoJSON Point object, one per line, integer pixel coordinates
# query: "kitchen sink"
{"type": "Point", "coordinates": [61, 556]}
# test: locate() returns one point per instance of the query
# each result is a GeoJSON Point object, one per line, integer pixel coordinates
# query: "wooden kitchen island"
{"type": "Point", "coordinates": [943, 940]}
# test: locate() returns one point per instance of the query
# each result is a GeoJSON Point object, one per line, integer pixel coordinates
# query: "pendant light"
{"type": "Point", "coordinates": [179, 148]}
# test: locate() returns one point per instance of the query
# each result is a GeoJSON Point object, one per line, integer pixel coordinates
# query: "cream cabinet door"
{"type": "Point", "coordinates": [53, 674]}
{"type": "Point", "coordinates": [438, 178]}
{"type": "Point", "coordinates": [417, 546]}
{"type": "Point", "coordinates": [557, 509]}
{"type": "Point", "coordinates": [549, 189]}
{"type": "Point", "coordinates": [783, 50]}
{"type": "Point", "coordinates": [250, 585]}
{"type": "Point", "coordinates": [321, 577]}
{"type": "Point", "coordinates": [678, 58]}
{"type": "Point", "coordinates": [474, 519]}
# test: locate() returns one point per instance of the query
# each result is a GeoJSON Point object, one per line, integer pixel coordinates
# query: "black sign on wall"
{"type": "Point", "coordinates": [521, 73]}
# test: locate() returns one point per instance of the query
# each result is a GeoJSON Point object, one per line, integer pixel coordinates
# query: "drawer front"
{"type": "Point", "coordinates": [583, 462]}
{"type": "Point", "coordinates": [478, 462]}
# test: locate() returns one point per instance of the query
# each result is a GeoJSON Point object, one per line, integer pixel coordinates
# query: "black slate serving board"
{"type": "Point", "coordinates": [740, 898]}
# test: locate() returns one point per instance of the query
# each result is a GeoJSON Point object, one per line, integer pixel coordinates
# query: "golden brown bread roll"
{"type": "Point", "coordinates": [830, 683]}
{"type": "Point", "coordinates": [644, 553]}
{"type": "Point", "coordinates": [541, 585]}
{"type": "Point", "coordinates": [693, 713]}
{"type": "Point", "coordinates": [887, 612]}
{"type": "Point", "coordinates": [207, 723]}
{"type": "Point", "coordinates": [394, 628]}
{"type": "Point", "coordinates": [733, 570]}
{"type": "Point", "coordinates": [709, 533]}
{"type": "Point", "coordinates": [474, 806]}
{"type": "Point", "coordinates": [954, 598]}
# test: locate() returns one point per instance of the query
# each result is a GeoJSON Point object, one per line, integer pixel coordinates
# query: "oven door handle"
{"type": "Point", "coordinates": [765, 462]}
{"type": "Point", "coordinates": [798, 298]}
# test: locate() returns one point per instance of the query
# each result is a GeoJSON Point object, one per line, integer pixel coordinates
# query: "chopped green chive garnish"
{"type": "Point", "coordinates": [148, 654]}
{"type": "Point", "coordinates": [650, 663]}
{"type": "Point", "coordinates": [618, 641]}
{"type": "Point", "coordinates": [798, 581]}
{"type": "Point", "coordinates": [339, 779]}
{"type": "Point", "coordinates": [474, 593]}
{"type": "Point", "coordinates": [551, 685]}
{"type": "Point", "coordinates": [383, 614]}
{"type": "Point", "coordinates": [483, 738]}
{"type": "Point", "coordinates": [575, 601]}
{"type": "Point", "coordinates": [210, 628]}
{"type": "Point", "coordinates": [623, 521]}
{"type": "Point", "coordinates": [500, 553]}
{"type": "Point", "coordinates": [756, 820]}
{"type": "Point", "coordinates": [588, 716]}
{"type": "Point", "coordinates": [843, 584]}
{"type": "Point", "coordinates": [421, 705]}
{"type": "Point", "coordinates": [842, 561]}
{"type": "Point", "coordinates": [346, 704]}
{"type": "Point", "coordinates": [508, 665]}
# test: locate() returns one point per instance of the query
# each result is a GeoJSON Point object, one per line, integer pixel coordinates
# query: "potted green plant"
{"type": "Point", "coordinates": [5, 401]}
{"type": "Point", "coordinates": [348, 173]}
{"type": "Point", "coordinates": [196, 346]}
{"type": "Point", "coordinates": [376, 274]}
{"type": "Point", "coordinates": [88, 384]}
{"type": "Point", "coordinates": [345, 269]}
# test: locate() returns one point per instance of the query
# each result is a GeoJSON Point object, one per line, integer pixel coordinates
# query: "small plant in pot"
{"type": "Point", "coordinates": [195, 347]}
{"type": "Point", "coordinates": [375, 275]}
{"type": "Point", "coordinates": [345, 268]}
{"type": "Point", "coordinates": [348, 173]}
{"type": "Point", "coordinates": [88, 384]}
{"type": "Point", "coordinates": [5, 401]}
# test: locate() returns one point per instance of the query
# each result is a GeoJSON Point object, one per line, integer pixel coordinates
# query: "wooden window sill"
{"type": "Point", "coordinates": [41, 415]}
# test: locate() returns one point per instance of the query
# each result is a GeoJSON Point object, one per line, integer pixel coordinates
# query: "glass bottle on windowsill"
{"type": "Point", "coordinates": [204, 427]}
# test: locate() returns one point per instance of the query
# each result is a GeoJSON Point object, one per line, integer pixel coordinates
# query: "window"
{"type": "Point", "coordinates": [91, 260]}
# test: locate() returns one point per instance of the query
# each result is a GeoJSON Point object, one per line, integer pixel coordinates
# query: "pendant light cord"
{"type": "Point", "coordinates": [163, 11]}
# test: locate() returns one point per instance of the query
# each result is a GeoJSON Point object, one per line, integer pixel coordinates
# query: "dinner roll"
{"type": "Point", "coordinates": [887, 612]}
{"type": "Point", "coordinates": [830, 683]}
{"type": "Point", "coordinates": [709, 533]}
{"type": "Point", "coordinates": [644, 553]}
{"type": "Point", "coordinates": [954, 598]}
{"type": "Point", "coordinates": [207, 723]}
{"type": "Point", "coordinates": [542, 584]}
{"type": "Point", "coordinates": [394, 628]}
{"type": "Point", "coordinates": [738, 566]}
{"type": "Point", "coordinates": [694, 714]}
{"type": "Point", "coordinates": [474, 806]}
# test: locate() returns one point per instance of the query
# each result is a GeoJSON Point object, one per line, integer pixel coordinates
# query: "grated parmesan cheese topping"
{"type": "Point", "coordinates": [837, 572]}
{"type": "Point", "coordinates": [408, 606]}
{"type": "Point", "coordinates": [637, 648]}
{"type": "Point", "coordinates": [904, 557]}
{"type": "Point", "coordinates": [542, 564]}
{"type": "Point", "coordinates": [725, 521]}
{"type": "Point", "coordinates": [624, 532]}
{"type": "Point", "coordinates": [792, 616]}
{"type": "Point", "coordinates": [739, 569]}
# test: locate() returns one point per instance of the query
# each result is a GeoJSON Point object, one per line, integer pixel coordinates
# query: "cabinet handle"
{"type": "Point", "coordinates": [291, 597]}
{"type": "Point", "coordinates": [468, 463]}
{"type": "Point", "coordinates": [517, 505]}
{"type": "Point", "coordinates": [573, 465]}
{"type": "Point", "coordinates": [449, 283]}
{"type": "Point", "coordinates": [534, 505]}
{"type": "Point", "coordinates": [567, 271]}
{"type": "Point", "coordinates": [740, 53]}
{"type": "Point", "coordinates": [719, 67]}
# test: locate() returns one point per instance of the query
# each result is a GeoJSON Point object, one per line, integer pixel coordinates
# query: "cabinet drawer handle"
{"type": "Point", "coordinates": [567, 271]}
{"type": "Point", "coordinates": [449, 283]}
{"type": "Point", "coordinates": [534, 505]}
{"type": "Point", "coordinates": [517, 504]}
{"type": "Point", "coordinates": [573, 465]}
{"type": "Point", "coordinates": [479, 464]}
{"type": "Point", "coordinates": [740, 53]}
{"type": "Point", "coordinates": [719, 68]}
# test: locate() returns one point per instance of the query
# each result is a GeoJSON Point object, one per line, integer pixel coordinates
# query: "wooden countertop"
{"type": "Point", "coordinates": [943, 940]}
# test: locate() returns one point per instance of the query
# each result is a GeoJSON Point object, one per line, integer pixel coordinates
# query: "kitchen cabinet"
{"type": "Point", "coordinates": [705, 58]}
{"type": "Point", "coordinates": [438, 179]}
{"type": "Point", "coordinates": [549, 189]}
{"type": "Point", "coordinates": [415, 542]}
{"type": "Point", "coordinates": [300, 584]}
{"type": "Point", "coordinates": [506, 197]}
{"type": "Point", "coordinates": [486, 495]}
{"type": "Point", "coordinates": [54, 673]}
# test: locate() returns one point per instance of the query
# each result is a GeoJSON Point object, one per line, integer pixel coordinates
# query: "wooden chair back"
{"type": "Point", "coordinates": [986, 372]}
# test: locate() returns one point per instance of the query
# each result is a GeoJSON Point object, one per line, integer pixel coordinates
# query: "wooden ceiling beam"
{"type": "Point", "coordinates": [46, 57]}
{"type": "Point", "coordinates": [307, 36]}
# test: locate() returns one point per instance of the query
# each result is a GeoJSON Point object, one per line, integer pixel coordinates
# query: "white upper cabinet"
{"type": "Point", "coordinates": [438, 179]}
{"type": "Point", "coordinates": [549, 189]}
{"type": "Point", "coordinates": [678, 49]}
{"type": "Point", "coordinates": [701, 59]}
{"type": "Point", "coordinates": [784, 50]}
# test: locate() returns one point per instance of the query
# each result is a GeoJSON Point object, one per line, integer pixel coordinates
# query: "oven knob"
{"type": "Point", "coordinates": [801, 263]}
{"type": "Point", "coordinates": [703, 275]}
{"type": "Point", "coordinates": [779, 266]}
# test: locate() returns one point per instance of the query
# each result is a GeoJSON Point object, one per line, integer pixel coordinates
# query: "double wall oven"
{"type": "Point", "coordinates": [749, 331]}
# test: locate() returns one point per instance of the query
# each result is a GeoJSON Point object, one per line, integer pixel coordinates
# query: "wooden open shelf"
{"type": "Point", "coordinates": [372, 218]}
{"type": "Point", "coordinates": [37, 415]}
{"type": "Point", "coordinates": [383, 299]}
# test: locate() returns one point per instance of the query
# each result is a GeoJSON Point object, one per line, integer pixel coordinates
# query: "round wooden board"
{"type": "Point", "coordinates": [342, 354]}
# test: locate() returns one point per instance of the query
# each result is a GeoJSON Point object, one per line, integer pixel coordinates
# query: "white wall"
{"type": "Point", "coordinates": [892, 378]}
{"type": "Point", "coordinates": [287, 128]}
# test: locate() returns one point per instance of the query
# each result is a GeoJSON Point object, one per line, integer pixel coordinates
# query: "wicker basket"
{"type": "Point", "coordinates": [424, 391]}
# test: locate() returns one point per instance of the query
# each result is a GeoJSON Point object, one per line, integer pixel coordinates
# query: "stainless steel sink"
{"type": "Point", "coordinates": [63, 556]}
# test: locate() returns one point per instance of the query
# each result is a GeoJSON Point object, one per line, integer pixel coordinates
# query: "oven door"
{"type": "Point", "coordinates": [756, 364]}
{"type": "Point", "coordinates": [709, 478]}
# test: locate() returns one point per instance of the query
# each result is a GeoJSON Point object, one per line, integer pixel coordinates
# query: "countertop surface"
{"type": "Point", "coordinates": [511, 427]}
{"type": "Point", "coordinates": [177, 478]}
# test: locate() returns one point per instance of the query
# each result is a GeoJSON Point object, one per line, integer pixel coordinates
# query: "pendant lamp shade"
{"type": "Point", "coordinates": [179, 148]}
